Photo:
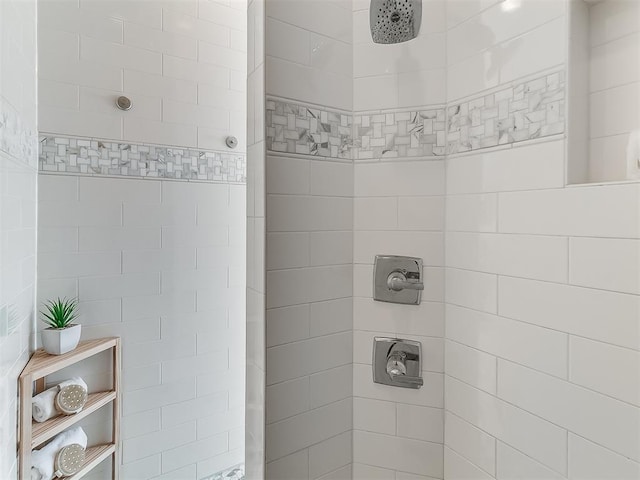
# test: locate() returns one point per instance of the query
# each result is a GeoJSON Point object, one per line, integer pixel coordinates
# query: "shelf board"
{"type": "Point", "coordinates": [43, 364]}
{"type": "Point", "coordinates": [41, 432]}
{"type": "Point", "coordinates": [93, 456]}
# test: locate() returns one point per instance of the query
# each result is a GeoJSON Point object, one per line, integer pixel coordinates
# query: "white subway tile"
{"type": "Point", "coordinates": [287, 250]}
{"type": "Point", "coordinates": [430, 395]}
{"type": "Point", "coordinates": [193, 452]}
{"type": "Point", "coordinates": [331, 385]}
{"type": "Point", "coordinates": [395, 453]}
{"type": "Point", "coordinates": [153, 397]}
{"type": "Point", "coordinates": [287, 324]}
{"type": "Point", "coordinates": [149, 353]}
{"type": "Point", "coordinates": [160, 86]}
{"type": "Point", "coordinates": [420, 423]}
{"type": "Point", "coordinates": [573, 310]}
{"type": "Point", "coordinates": [374, 415]}
{"type": "Point", "coordinates": [287, 175]}
{"type": "Point", "coordinates": [287, 42]}
{"type": "Point", "coordinates": [470, 442]}
{"type": "Point", "coordinates": [160, 41]}
{"type": "Point", "coordinates": [329, 455]}
{"type": "Point", "coordinates": [421, 213]}
{"type": "Point", "coordinates": [529, 256]}
{"type": "Point", "coordinates": [143, 469]}
{"type": "Point", "coordinates": [57, 239]}
{"type": "Point", "coordinates": [572, 407]}
{"type": "Point", "coordinates": [185, 24]}
{"type": "Point", "coordinates": [536, 166]}
{"type": "Point", "coordinates": [609, 264]}
{"type": "Point", "coordinates": [472, 213]}
{"type": "Point", "coordinates": [154, 260]}
{"type": "Point", "coordinates": [471, 366]}
{"type": "Point", "coordinates": [57, 265]}
{"type": "Point", "coordinates": [367, 472]}
{"type": "Point", "coordinates": [375, 213]}
{"type": "Point", "coordinates": [513, 464]}
{"type": "Point", "coordinates": [290, 467]}
{"type": "Point", "coordinates": [287, 399]}
{"type": "Point", "coordinates": [332, 316]}
{"type": "Point", "coordinates": [167, 304]}
{"type": "Point", "coordinates": [184, 69]}
{"type": "Point", "coordinates": [588, 460]}
{"type": "Point", "coordinates": [220, 422]}
{"type": "Point", "coordinates": [121, 56]}
{"type": "Point", "coordinates": [572, 211]}
{"type": "Point", "coordinates": [605, 368]}
{"type": "Point", "coordinates": [416, 178]}
{"type": "Point", "coordinates": [290, 287]}
{"type": "Point", "coordinates": [99, 238]}
{"type": "Point", "coordinates": [472, 290]}
{"type": "Point", "coordinates": [528, 433]}
{"type": "Point", "coordinates": [205, 236]}
{"type": "Point", "coordinates": [509, 339]}
{"type": "Point", "coordinates": [190, 409]}
{"type": "Point", "coordinates": [425, 319]}
{"type": "Point", "coordinates": [313, 351]}
{"type": "Point", "coordinates": [331, 178]}
{"type": "Point", "coordinates": [427, 245]}
{"type": "Point", "coordinates": [141, 424]}
{"type": "Point", "coordinates": [330, 248]}
{"type": "Point", "coordinates": [79, 214]}
{"type": "Point", "coordinates": [457, 467]}
{"type": "Point", "coordinates": [113, 286]}
{"type": "Point", "coordinates": [301, 431]}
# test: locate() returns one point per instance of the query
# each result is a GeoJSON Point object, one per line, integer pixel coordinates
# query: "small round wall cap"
{"type": "Point", "coordinates": [232, 142]}
{"type": "Point", "coordinates": [124, 103]}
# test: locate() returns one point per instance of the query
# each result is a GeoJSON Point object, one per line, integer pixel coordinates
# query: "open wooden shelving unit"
{"type": "Point", "coordinates": [33, 434]}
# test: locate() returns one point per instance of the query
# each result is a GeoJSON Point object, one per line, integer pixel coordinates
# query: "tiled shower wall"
{"type": "Point", "coordinates": [142, 215]}
{"type": "Point", "coordinates": [541, 354]}
{"type": "Point", "coordinates": [256, 369]}
{"type": "Point", "coordinates": [309, 257]}
{"type": "Point", "coordinates": [18, 180]}
{"type": "Point", "coordinates": [399, 210]}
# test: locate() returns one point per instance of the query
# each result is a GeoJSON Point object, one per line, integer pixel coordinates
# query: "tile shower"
{"type": "Point", "coordinates": [497, 146]}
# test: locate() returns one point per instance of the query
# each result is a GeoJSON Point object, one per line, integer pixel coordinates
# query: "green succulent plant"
{"type": "Point", "coordinates": [60, 313]}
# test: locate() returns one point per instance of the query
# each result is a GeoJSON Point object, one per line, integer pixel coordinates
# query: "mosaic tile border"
{"type": "Point", "coordinates": [302, 129]}
{"type": "Point", "coordinates": [74, 155]}
{"type": "Point", "coordinates": [518, 112]}
{"type": "Point", "coordinates": [419, 133]}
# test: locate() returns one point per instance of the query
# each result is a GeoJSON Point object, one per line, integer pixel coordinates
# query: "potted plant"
{"type": "Point", "coordinates": [61, 335]}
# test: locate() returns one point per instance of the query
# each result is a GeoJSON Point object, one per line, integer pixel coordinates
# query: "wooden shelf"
{"type": "Point", "coordinates": [33, 434]}
{"type": "Point", "coordinates": [93, 456]}
{"type": "Point", "coordinates": [42, 364]}
{"type": "Point", "coordinates": [41, 432]}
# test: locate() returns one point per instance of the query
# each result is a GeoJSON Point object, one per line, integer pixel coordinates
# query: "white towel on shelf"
{"type": "Point", "coordinates": [73, 381]}
{"type": "Point", "coordinates": [633, 155]}
{"type": "Point", "coordinates": [43, 405]}
{"type": "Point", "coordinates": [43, 460]}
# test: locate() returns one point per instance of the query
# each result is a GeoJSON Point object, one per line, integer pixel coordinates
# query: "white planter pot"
{"type": "Point", "coordinates": [57, 341]}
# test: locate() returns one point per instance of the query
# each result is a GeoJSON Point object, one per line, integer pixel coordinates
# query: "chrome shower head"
{"type": "Point", "coordinates": [395, 21]}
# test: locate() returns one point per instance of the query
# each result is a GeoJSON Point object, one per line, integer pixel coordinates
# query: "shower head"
{"type": "Point", "coordinates": [395, 21]}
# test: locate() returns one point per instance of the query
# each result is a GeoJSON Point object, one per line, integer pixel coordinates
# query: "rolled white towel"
{"type": "Point", "coordinates": [43, 405]}
{"type": "Point", "coordinates": [73, 381]}
{"type": "Point", "coordinates": [43, 460]}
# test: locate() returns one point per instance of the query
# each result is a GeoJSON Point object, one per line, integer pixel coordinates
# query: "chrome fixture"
{"type": "Point", "coordinates": [232, 142]}
{"type": "Point", "coordinates": [397, 362]}
{"type": "Point", "coordinates": [395, 21]}
{"type": "Point", "coordinates": [124, 103]}
{"type": "Point", "coordinates": [397, 279]}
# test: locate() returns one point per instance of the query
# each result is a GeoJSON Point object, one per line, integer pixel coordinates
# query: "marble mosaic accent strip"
{"type": "Point", "coordinates": [233, 473]}
{"type": "Point", "coordinates": [400, 134]}
{"type": "Point", "coordinates": [522, 111]}
{"type": "Point", "coordinates": [98, 157]}
{"type": "Point", "coordinates": [301, 129]}
{"type": "Point", "coordinates": [16, 139]}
